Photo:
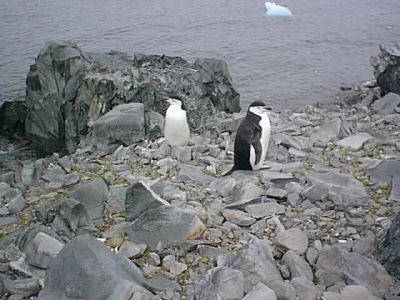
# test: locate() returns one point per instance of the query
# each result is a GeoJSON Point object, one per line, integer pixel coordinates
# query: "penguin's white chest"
{"type": "Point", "coordinates": [176, 128]}
{"type": "Point", "coordinates": [264, 141]}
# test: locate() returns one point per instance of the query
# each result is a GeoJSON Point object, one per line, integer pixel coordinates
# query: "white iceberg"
{"type": "Point", "coordinates": [277, 10]}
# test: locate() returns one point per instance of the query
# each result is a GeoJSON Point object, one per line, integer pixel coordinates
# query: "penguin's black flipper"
{"type": "Point", "coordinates": [256, 143]}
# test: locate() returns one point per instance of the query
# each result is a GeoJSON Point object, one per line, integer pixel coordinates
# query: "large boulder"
{"type": "Point", "coordinates": [139, 199]}
{"type": "Point", "coordinates": [342, 188]}
{"type": "Point", "coordinates": [257, 264]}
{"type": "Point", "coordinates": [387, 104]}
{"type": "Point", "coordinates": [387, 171]}
{"type": "Point", "coordinates": [335, 264]}
{"type": "Point", "coordinates": [51, 88]}
{"type": "Point", "coordinates": [389, 251]}
{"type": "Point", "coordinates": [387, 69]}
{"type": "Point", "coordinates": [93, 194]}
{"type": "Point", "coordinates": [220, 283]}
{"type": "Point", "coordinates": [124, 124]}
{"type": "Point", "coordinates": [165, 225]}
{"type": "Point", "coordinates": [67, 92]}
{"type": "Point", "coordinates": [86, 269]}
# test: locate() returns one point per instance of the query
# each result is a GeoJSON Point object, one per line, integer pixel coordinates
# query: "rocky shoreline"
{"type": "Point", "coordinates": [121, 215]}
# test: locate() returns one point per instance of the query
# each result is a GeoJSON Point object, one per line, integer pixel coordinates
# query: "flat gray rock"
{"type": "Point", "coordinates": [141, 198]}
{"type": "Point", "coordinates": [342, 187]}
{"type": "Point", "coordinates": [244, 177]}
{"type": "Point", "coordinates": [160, 284]}
{"type": "Point", "coordinates": [154, 124]}
{"type": "Point", "coordinates": [245, 192]}
{"type": "Point", "coordinates": [292, 239]}
{"type": "Point", "coordinates": [192, 173]}
{"type": "Point", "coordinates": [131, 250]}
{"type": "Point", "coordinates": [332, 296]}
{"type": "Point", "coordinates": [267, 176]}
{"type": "Point", "coordinates": [12, 197]}
{"type": "Point", "coordinates": [181, 153]}
{"type": "Point", "coordinates": [96, 273]}
{"type": "Point", "coordinates": [305, 289]}
{"type": "Point", "coordinates": [124, 124]}
{"type": "Point", "coordinates": [238, 217]}
{"type": "Point", "coordinates": [288, 141]}
{"type": "Point", "coordinates": [387, 171]}
{"type": "Point", "coordinates": [116, 201]}
{"type": "Point", "coordinates": [93, 194]}
{"type": "Point", "coordinates": [327, 131]}
{"type": "Point", "coordinates": [164, 225]}
{"type": "Point", "coordinates": [297, 265]}
{"type": "Point", "coordinates": [335, 263]}
{"type": "Point", "coordinates": [257, 264]}
{"type": "Point", "coordinates": [57, 177]}
{"type": "Point", "coordinates": [357, 292]}
{"type": "Point", "coordinates": [262, 210]}
{"type": "Point", "coordinates": [387, 104]}
{"type": "Point", "coordinates": [355, 142]}
{"type": "Point", "coordinates": [42, 249]}
{"type": "Point", "coordinates": [316, 192]}
{"type": "Point", "coordinates": [7, 177]}
{"type": "Point", "coordinates": [223, 186]}
{"type": "Point", "coordinates": [73, 215]}
{"type": "Point", "coordinates": [283, 290]}
{"type": "Point", "coordinates": [276, 193]}
{"type": "Point", "coordinates": [353, 292]}
{"type": "Point", "coordinates": [166, 165]}
{"type": "Point", "coordinates": [260, 291]}
{"type": "Point", "coordinates": [8, 220]}
{"type": "Point", "coordinates": [286, 168]}
{"type": "Point", "coordinates": [220, 283]}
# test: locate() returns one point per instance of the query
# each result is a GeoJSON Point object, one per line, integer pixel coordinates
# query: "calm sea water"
{"type": "Point", "coordinates": [284, 61]}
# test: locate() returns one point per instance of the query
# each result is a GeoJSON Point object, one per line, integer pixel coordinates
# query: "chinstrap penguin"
{"type": "Point", "coordinates": [176, 127]}
{"type": "Point", "coordinates": [252, 139]}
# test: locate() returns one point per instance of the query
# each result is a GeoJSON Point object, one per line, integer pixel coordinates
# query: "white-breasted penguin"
{"type": "Point", "coordinates": [252, 139]}
{"type": "Point", "coordinates": [176, 127]}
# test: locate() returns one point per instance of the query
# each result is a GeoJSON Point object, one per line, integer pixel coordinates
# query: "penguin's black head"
{"type": "Point", "coordinates": [176, 101]}
{"type": "Point", "coordinates": [258, 108]}
{"type": "Point", "coordinates": [256, 103]}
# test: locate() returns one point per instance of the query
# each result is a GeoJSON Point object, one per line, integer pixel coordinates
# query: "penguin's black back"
{"type": "Point", "coordinates": [246, 133]}
{"type": "Point", "coordinates": [244, 137]}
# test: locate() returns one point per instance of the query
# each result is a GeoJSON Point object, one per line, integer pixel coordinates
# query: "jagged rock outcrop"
{"type": "Point", "coordinates": [68, 90]}
{"type": "Point", "coordinates": [387, 69]}
{"type": "Point", "coordinates": [12, 117]}
{"type": "Point", "coordinates": [52, 85]}
{"type": "Point", "coordinates": [389, 251]}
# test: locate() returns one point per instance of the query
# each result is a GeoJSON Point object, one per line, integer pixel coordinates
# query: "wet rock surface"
{"type": "Point", "coordinates": [142, 220]}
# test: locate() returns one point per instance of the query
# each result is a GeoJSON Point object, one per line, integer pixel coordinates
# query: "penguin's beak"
{"type": "Point", "coordinates": [267, 108]}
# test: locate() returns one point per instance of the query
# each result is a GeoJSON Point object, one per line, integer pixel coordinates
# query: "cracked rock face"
{"type": "Point", "coordinates": [386, 69]}
{"type": "Point", "coordinates": [69, 91]}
